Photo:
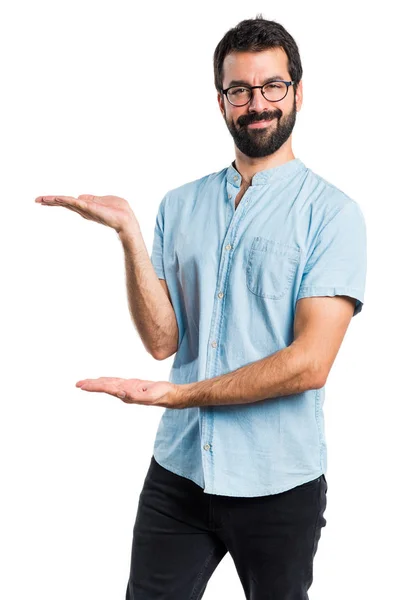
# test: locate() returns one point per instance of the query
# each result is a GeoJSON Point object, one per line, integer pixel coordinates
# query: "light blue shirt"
{"type": "Point", "coordinates": [234, 277]}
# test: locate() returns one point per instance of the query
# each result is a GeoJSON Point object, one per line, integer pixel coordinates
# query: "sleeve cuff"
{"type": "Point", "coordinates": [357, 294]}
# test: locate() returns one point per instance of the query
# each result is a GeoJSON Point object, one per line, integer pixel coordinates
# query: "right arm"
{"type": "Point", "coordinates": [149, 300]}
{"type": "Point", "coordinates": [148, 297]}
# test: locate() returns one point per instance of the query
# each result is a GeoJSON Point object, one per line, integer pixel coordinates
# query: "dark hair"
{"type": "Point", "coordinates": [255, 35]}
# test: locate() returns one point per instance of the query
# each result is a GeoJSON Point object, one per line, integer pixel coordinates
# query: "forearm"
{"type": "Point", "coordinates": [149, 305]}
{"type": "Point", "coordinates": [288, 371]}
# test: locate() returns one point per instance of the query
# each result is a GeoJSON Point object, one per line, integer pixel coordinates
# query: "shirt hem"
{"type": "Point", "coordinates": [216, 492]}
{"type": "Point", "coordinates": [173, 469]}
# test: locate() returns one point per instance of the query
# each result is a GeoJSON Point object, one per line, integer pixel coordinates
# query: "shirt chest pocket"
{"type": "Point", "coordinates": [271, 267]}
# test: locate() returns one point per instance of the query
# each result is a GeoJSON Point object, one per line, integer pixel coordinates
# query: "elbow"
{"type": "Point", "coordinates": [163, 354]}
{"type": "Point", "coordinates": [317, 379]}
{"type": "Point", "coordinates": [158, 355]}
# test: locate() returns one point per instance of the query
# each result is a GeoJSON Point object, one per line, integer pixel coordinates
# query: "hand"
{"type": "Point", "coordinates": [137, 391]}
{"type": "Point", "coordinates": [112, 211]}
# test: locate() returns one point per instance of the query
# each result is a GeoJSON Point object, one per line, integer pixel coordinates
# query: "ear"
{"type": "Point", "coordinates": [221, 105]}
{"type": "Point", "coordinates": [299, 95]}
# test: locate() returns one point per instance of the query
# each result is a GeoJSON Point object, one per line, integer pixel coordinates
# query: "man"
{"type": "Point", "coordinates": [255, 273]}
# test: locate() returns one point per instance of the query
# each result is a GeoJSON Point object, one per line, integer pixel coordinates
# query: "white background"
{"type": "Point", "coordinates": [97, 98]}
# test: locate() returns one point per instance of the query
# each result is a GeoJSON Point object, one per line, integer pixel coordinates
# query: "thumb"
{"type": "Point", "coordinates": [88, 196]}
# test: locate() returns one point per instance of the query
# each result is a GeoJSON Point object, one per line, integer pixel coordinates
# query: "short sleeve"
{"type": "Point", "coordinates": [338, 262]}
{"type": "Point", "coordinates": [158, 241]}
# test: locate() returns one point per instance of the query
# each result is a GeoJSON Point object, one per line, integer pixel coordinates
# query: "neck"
{"type": "Point", "coordinates": [247, 166]}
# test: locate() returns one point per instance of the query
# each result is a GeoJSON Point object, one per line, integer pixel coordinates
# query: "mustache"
{"type": "Point", "coordinates": [248, 119]}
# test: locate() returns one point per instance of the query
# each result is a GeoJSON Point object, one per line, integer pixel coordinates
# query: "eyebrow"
{"type": "Point", "coordinates": [243, 82]}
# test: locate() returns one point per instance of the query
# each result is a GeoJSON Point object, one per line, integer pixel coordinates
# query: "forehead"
{"type": "Point", "coordinates": [255, 66]}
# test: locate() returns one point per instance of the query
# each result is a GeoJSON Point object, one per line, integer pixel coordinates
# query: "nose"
{"type": "Point", "coordinates": [258, 103]}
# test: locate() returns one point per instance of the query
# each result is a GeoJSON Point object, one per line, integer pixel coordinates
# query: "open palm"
{"type": "Point", "coordinates": [133, 391]}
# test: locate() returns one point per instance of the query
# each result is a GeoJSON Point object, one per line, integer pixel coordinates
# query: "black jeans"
{"type": "Point", "coordinates": [181, 534]}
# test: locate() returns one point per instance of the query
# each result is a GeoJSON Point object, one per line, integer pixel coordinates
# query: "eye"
{"type": "Point", "coordinates": [275, 86]}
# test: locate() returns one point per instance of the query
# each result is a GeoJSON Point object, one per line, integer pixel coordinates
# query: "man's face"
{"type": "Point", "coordinates": [254, 68]}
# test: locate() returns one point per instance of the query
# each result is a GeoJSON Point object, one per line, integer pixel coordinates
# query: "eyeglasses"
{"type": "Point", "coordinates": [274, 91]}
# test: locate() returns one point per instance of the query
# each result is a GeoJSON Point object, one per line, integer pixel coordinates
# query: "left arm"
{"type": "Point", "coordinates": [319, 327]}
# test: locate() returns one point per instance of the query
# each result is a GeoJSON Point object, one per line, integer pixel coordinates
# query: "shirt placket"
{"type": "Point", "coordinates": [229, 242]}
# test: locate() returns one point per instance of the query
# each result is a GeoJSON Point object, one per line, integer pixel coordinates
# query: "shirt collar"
{"type": "Point", "coordinates": [287, 169]}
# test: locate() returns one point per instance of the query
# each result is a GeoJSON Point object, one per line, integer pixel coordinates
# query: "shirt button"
{"type": "Point", "coordinates": [229, 196]}
{"type": "Point", "coordinates": [235, 178]}
{"type": "Point", "coordinates": [206, 446]}
{"type": "Point", "coordinates": [220, 295]}
{"type": "Point", "coordinates": [228, 247]}
{"type": "Point", "coordinates": [214, 344]}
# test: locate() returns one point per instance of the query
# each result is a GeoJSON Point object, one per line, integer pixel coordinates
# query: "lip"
{"type": "Point", "coordinates": [259, 124]}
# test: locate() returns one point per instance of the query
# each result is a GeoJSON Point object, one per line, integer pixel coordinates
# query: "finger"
{"type": "Point", "coordinates": [67, 201]}
{"type": "Point", "coordinates": [52, 198]}
{"type": "Point", "coordinates": [106, 386]}
{"type": "Point", "coordinates": [44, 198]}
{"type": "Point", "coordinates": [83, 214]}
{"type": "Point", "coordinates": [85, 208]}
{"type": "Point", "coordinates": [71, 203]}
{"type": "Point", "coordinates": [116, 380]}
{"type": "Point", "coordinates": [94, 385]}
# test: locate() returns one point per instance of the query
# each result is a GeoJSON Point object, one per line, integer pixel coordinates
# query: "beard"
{"type": "Point", "coordinates": [260, 142]}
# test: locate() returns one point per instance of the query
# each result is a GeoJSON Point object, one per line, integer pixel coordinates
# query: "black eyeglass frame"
{"type": "Point", "coordinates": [254, 87]}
